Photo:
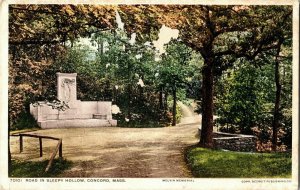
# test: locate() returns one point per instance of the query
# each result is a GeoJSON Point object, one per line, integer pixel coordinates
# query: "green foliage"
{"type": "Point", "coordinates": [144, 113]}
{"type": "Point", "coordinates": [287, 127]}
{"type": "Point", "coordinates": [246, 95]}
{"type": "Point", "coordinates": [38, 33]}
{"type": "Point", "coordinates": [37, 169]}
{"type": "Point", "coordinates": [178, 109]}
{"type": "Point", "coordinates": [129, 70]}
{"type": "Point", "coordinates": [208, 163]}
{"type": "Point", "coordinates": [194, 85]}
{"type": "Point", "coordinates": [243, 98]}
{"type": "Point", "coordinates": [113, 73]}
{"type": "Point", "coordinates": [178, 113]}
{"type": "Point", "coordinates": [115, 70]}
{"type": "Point", "coordinates": [39, 36]}
{"type": "Point", "coordinates": [176, 71]}
{"type": "Point", "coordinates": [24, 121]}
{"type": "Point", "coordinates": [51, 24]}
{"type": "Point", "coordinates": [176, 68]}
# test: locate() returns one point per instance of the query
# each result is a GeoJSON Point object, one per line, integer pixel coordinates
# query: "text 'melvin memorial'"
{"type": "Point", "coordinates": [79, 113]}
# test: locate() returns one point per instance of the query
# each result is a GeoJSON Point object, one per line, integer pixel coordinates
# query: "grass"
{"type": "Point", "coordinates": [208, 163]}
{"type": "Point", "coordinates": [37, 169]}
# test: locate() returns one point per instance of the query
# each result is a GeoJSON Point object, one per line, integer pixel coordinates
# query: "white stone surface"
{"type": "Point", "coordinates": [79, 114]}
{"type": "Point", "coordinates": [66, 87]}
{"type": "Point", "coordinates": [74, 123]}
{"type": "Point", "coordinates": [113, 122]}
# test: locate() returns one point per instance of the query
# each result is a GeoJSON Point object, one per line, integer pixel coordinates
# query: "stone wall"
{"type": "Point", "coordinates": [234, 142]}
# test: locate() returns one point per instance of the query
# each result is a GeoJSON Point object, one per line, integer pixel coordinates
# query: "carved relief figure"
{"type": "Point", "coordinates": [66, 84]}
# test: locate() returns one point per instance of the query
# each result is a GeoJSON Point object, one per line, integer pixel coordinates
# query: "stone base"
{"type": "Point", "coordinates": [234, 142]}
{"type": "Point", "coordinates": [76, 123]}
{"type": "Point", "coordinates": [113, 122]}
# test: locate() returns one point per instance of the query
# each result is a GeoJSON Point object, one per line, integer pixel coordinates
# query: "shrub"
{"type": "Point", "coordinates": [24, 121]}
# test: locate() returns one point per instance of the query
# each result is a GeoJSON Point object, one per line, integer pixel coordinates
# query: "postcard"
{"type": "Point", "coordinates": [149, 94]}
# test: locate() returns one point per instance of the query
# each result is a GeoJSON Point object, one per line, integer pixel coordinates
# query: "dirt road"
{"type": "Point", "coordinates": [118, 152]}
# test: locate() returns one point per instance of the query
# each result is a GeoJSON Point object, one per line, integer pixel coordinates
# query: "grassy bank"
{"type": "Point", "coordinates": [208, 163]}
{"type": "Point", "coordinates": [36, 169]}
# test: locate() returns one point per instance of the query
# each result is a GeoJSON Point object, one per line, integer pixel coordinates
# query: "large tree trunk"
{"type": "Point", "coordinates": [207, 104]}
{"type": "Point", "coordinates": [174, 106]}
{"type": "Point", "coordinates": [275, 123]}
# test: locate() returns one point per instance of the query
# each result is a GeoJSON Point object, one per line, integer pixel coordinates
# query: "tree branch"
{"type": "Point", "coordinates": [35, 42]}
{"type": "Point", "coordinates": [36, 11]}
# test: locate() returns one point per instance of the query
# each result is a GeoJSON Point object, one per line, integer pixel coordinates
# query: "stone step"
{"type": "Point", "coordinates": [99, 116]}
{"type": "Point", "coordinates": [74, 123]}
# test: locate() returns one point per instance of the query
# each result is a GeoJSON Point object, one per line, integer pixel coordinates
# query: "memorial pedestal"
{"type": "Point", "coordinates": [79, 113]}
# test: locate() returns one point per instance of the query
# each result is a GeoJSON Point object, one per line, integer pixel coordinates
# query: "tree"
{"type": "Point", "coordinates": [175, 70]}
{"type": "Point", "coordinates": [221, 34]}
{"type": "Point", "coordinates": [280, 35]}
{"type": "Point", "coordinates": [209, 30]}
{"type": "Point", "coordinates": [54, 24]}
{"type": "Point", "coordinates": [284, 34]}
{"type": "Point", "coordinates": [129, 67]}
{"type": "Point", "coordinates": [277, 116]}
{"type": "Point", "coordinates": [243, 97]}
{"type": "Point", "coordinates": [37, 34]}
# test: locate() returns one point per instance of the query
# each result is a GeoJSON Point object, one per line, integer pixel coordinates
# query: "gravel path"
{"type": "Point", "coordinates": [118, 152]}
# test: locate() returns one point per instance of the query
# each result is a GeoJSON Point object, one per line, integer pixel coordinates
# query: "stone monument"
{"type": "Point", "coordinates": [66, 87]}
{"type": "Point", "coordinates": [79, 113]}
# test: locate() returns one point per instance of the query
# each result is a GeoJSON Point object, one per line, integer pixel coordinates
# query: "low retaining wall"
{"type": "Point", "coordinates": [234, 142]}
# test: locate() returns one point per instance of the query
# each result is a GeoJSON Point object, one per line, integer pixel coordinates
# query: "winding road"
{"type": "Point", "coordinates": [120, 152]}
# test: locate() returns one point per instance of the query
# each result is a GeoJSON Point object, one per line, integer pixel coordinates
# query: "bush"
{"type": "Point", "coordinates": [178, 113]}
{"type": "Point", "coordinates": [227, 128]}
{"type": "Point", "coordinates": [144, 110]}
{"type": "Point", "coordinates": [287, 127]}
{"type": "Point", "coordinates": [24, 121]}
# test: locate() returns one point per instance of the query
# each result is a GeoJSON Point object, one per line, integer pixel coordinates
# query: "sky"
{"type": "Point", "coordinates": [164, 36]}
